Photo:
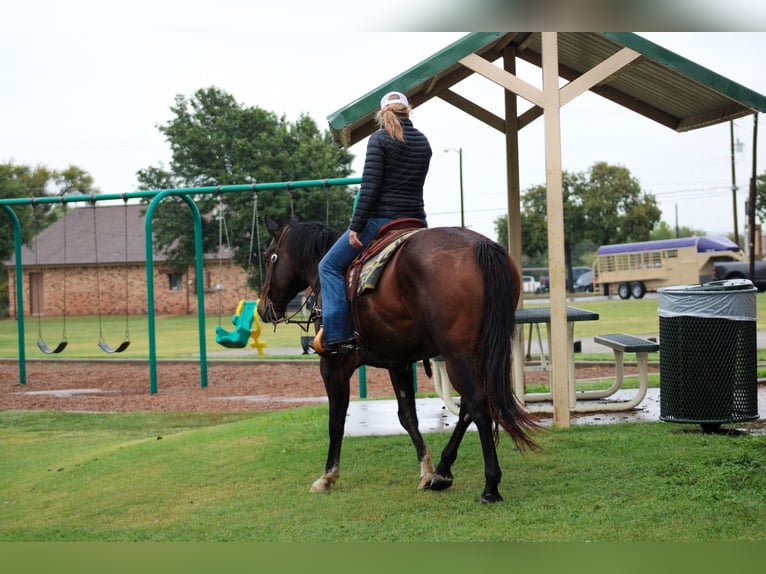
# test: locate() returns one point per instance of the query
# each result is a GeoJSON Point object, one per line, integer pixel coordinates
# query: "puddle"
{"type": "Point", "coordinates": [379, 418]}
{"type": "Point", "coordinates": [265, 398]}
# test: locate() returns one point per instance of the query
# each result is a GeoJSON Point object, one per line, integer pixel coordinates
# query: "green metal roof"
{"type": "Point", "coordinates": [660, 85]}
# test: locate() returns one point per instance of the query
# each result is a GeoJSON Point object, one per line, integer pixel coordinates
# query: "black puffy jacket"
{"type": "Point", "coordinates": [393, 177]}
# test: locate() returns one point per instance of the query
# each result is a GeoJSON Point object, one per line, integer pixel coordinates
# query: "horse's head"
{"type": "Point", "coordinates": [291, 263]}
{"type": "Point", "coordinates": [282, 280]}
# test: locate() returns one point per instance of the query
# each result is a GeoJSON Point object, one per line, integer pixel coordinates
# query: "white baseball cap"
{"type": "Point", "coordinates": [393, 98]}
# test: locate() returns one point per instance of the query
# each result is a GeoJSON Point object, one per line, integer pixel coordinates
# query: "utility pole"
{"type": "Point", "coordinates": [460, 159]}
{"type": "Point", "coordinates": [751, 211]}
{"type": "Point", "coordinates": [733, 183]}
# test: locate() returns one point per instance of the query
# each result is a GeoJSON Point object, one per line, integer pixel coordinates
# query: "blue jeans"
{"type": "Point", "coordinates": [336, 315]}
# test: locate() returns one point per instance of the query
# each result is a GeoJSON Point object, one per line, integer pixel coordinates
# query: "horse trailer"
{"type": "Point", "coordinates": [632, 269]}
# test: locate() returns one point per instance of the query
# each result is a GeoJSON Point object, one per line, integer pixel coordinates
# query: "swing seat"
{"type": "Point", "coordinates": [107, 348]}
{"type": "Point", "coordinates": [47, 350]}
{"type": "Point", "coordinates": [243, 328]}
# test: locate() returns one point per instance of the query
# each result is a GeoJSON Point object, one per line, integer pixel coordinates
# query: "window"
{"type": "Point", "coordinates": [175, 281]}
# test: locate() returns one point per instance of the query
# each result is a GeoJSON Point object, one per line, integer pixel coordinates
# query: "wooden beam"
{"type": "Point", "coordinates": [610, 93]}
{"type": "Point", "coordinates": [474, 110]}
{"type": "Point", "coordinates": [555, 211]}
{"type": "Point", "coordinates": [529, 116]}
{"type": "Point", "coordinates": [503, 78]}
{"type": "Point", "coordinates": [513, 199]}
{"type": "Point", "coordinates": [617, 63]}
{"type": "Point", "coordinates": [513, 184]}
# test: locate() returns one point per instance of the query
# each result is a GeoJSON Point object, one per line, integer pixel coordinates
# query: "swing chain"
{"type": "Point", "coordinates": [102, 343]}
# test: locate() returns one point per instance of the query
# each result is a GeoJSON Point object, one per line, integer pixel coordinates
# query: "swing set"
{"type": "Point", "coordinates": [243, 316]}
{"type": "Point", "coordinates": [41, 344]}
{"type": "Point", "coordinates": [243, 319]}
{"type": "Point", "coordinates": [246, 322]}
{"type": "Point", "coordinates": [102, 343]}
{"type": "Point", "coordinates": [247, 311]}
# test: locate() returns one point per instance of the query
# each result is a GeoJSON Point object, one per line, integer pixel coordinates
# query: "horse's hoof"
{"type": "Point", "coordinates": [425, 481]}
{"type": "Point", "coordinates": [320, 485]}
{"type": "Point", "coordinates": [439, 482]}
{"type": "Point", "coordinates": [325, 482]}
{"type": "Point", "coordinates": [491, 498]}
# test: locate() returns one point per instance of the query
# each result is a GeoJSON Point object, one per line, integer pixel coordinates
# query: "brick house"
{"type": "Point", "coordinates": [63, 259]}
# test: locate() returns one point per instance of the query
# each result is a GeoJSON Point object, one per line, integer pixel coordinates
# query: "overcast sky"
{"type": "Point", "coordinates": [87, 83]}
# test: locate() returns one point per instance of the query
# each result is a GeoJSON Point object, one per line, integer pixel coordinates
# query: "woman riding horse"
{"type": "Point", "coordinates": [395, 169]}
{"type": "Point", "coordinates": [447, 292]}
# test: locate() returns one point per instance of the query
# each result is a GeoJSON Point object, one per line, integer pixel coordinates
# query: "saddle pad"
{"type": "Point", "coordinates": [373, 267]}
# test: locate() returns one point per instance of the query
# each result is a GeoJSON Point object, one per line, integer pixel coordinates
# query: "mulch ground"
{"type": "Point", "coordinates": [118, 386]}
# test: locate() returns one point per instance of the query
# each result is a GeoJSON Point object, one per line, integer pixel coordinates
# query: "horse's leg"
{"type": "Point", "coordinates": [457, 371]}
{"type": "Point", "coordinates": [492, 472]}
{"type": "Point", "coordinates": [473, 410]}
{"type": "Point", "coordinates": [403, 380]}
{"type": "Point", "coordinates": [442, 478]}
{"type": "Point", "coordinates": [336, 374]}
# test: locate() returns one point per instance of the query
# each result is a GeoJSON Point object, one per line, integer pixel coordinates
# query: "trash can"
{"type": "Point", "coordinates": [708, 353]}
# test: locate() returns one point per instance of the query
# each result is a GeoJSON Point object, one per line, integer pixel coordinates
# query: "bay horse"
{"type": "Point", "coordinates": [447, 291]}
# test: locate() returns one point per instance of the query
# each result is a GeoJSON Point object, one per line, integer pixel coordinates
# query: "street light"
{"type": "Point", "coordinates": [460, 157]}
{"type": "Point", "coordinates": [738, 146]}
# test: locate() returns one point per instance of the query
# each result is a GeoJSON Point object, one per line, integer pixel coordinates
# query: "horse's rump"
{"type": "Point", "coordinates": [432, 290]}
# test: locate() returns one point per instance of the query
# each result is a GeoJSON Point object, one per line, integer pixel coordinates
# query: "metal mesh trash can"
{"type": "Point", "coordinates": [708, 353]}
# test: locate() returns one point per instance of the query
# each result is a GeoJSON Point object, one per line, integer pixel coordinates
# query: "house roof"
{"type": "Point", "coordinates": [659, 84]}
{"type": "Point", "coordinates": [75, 232]}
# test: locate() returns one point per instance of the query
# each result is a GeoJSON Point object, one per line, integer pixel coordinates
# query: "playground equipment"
{"type": "Point", "coordinates": [156, 197]}
{"type": "Point", "coordinates": [62, 344]}
{"type": "Point", "coordinates": [247, 311]}
{"type": "Point", "coordinates": [243, 319]}
{"type": "Point", "coordinates": [106, 347]}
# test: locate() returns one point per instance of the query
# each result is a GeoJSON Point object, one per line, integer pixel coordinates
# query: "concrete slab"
{"type": "Point", "coordinates": [378, 417]}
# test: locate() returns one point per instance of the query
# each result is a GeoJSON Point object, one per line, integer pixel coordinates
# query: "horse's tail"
{"type": "Point", "coordinates": [493, 348]}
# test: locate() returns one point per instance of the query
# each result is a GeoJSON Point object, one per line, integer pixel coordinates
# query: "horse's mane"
{"type": "Point", "coordinates": [310, 241]}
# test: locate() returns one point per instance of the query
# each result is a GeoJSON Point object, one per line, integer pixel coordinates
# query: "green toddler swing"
{"type": "Point", "coordinates": [247, 311]}
{"type": "Point", "coordinates": [243, 319]}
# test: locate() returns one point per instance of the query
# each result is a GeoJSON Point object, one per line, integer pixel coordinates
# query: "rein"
{"type": "Point", "coordinates": [304, 324]}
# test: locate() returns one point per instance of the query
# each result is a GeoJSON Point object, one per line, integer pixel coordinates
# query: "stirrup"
{"type": "Point", "coordinates": [316, 344]}
{"type": "Point", "coordinates": [342, 348]}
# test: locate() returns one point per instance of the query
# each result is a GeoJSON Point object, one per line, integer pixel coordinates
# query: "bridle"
{"type": "Point", "coordinates": [305, 324]}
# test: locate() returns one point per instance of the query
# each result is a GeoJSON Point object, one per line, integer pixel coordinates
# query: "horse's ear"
{"type": "Point", "coordinates": [296, 219]}
{"type": "Point", "coordinates": [273, 227]}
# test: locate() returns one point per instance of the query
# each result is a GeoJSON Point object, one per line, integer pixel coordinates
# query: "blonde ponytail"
{"type": "Point", "coordinates": [388, 119]}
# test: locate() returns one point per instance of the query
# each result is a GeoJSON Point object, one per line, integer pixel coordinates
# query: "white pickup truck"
{"type": "Point", "coordinates": [530, 285]}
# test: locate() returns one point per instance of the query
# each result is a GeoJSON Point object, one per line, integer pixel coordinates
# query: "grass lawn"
{"type": "Point", "coordinates": [177, 336]}
{"type": "Point", "coordinates": [245, 477]}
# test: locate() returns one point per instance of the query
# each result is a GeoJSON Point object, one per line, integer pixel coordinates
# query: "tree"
{"type": "Point", "coordinates": [605, 205]}
{"type": "Point", "coordinates": [501, 229]}
{"type": "Point", "coordinates": [616, 210]}
{"type": "Point", "coordinates": [760, 196]}
{"type": "Point", "coordinates": [21, 181]}
{"type": "Point", "coordinates": [215, 141]}
{"type": "Point", "coordinates": [663, 231]}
